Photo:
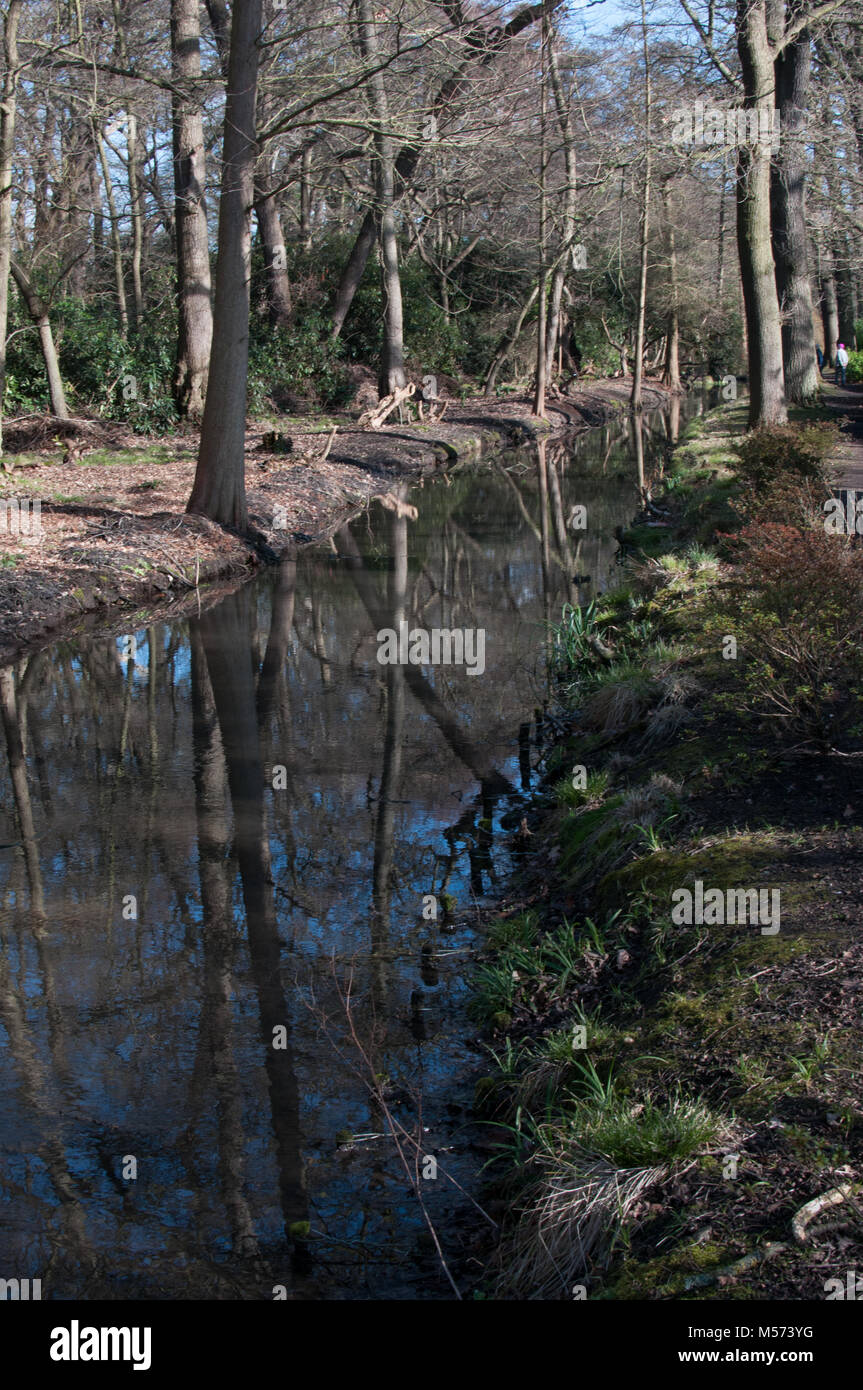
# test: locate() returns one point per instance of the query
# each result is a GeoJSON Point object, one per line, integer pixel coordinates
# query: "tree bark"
{"type": "Point", "coordinates": [38, 313]}
{"type": "Point", "coordinates": [788, 212]}
{"type": "Point", "coordinates": [757, 272]}
{"type": "Point", "coordinates": [219, 491]}
{"type": "Point", "coordinates": [671, 372]}
{"type": "Point", "coordinates": [391, 376]}
{"type": "Point", "coordinates": [136, 209]}
{"type": "Point", "coordinates": [275, 254]}
{"type": "Point", "coordinates": [569, 207]}
{"type": "Point", "coordinates": [116, 243]}
{"type": "Point", "coordinates": [194, 309]}
{"type": "Point", "coordinates": [846, 299]}
{"type": "Point", "coordinates": [7, 146]}
{"type": "Point", "coordinates": [638, 363]}
{"type": "Point", "coordinates": [829, 309]}
{"type": "Point", "coordinates": [306, 199]}
{"type": "Point", "coordinates": [542, 280]}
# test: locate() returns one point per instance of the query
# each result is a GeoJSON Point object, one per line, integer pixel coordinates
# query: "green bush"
{"type": "Point", "coordinates": [120, 378]}
{"type": "Point", "coordinates": [855, 365]}
{"type": "Point", "coordinates": [299, 360]}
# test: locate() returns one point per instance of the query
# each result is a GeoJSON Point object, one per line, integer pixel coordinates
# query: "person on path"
{"type": "Point", "coordinates": [841, 364]}
{"type": "Point", "coordinates": [820, 355]}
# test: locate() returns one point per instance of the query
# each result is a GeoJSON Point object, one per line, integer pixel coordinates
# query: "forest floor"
{"type": "Point", "coordinates": [716, 1089]}
{"type": "Point", "coordinates": [112, 530]}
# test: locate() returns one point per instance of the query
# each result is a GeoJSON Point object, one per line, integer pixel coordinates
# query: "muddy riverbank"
{"type": "Point", "coordinates": [111, 532]}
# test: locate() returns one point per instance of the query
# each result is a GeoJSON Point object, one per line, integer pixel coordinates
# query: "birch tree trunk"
{"type": "Point", "coordinates": [671, 373]}
{"type": "Point", "coordinates": [116, 243]}
{"type": "Point", "coordinates": [194, 309]}
{"type": "Point", "coordinates": [136, 210]}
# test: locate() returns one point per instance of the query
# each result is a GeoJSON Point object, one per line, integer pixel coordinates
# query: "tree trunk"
{"type": "Point", "coordinates": [306, 199]}
{"type": "Point", "coordinates": [354, 270]}
{"type": "Point", "coordinates": [275, 255]}
{"type": "Point", "coordinates": [569, 207]}
{"type": "Point", "coordinates": [116, 243]}
{"type": "Point", "coordinates": [219, 490]}
{"type": "Point", "coordinates": [542, 282]}
{"type": "Point", "coordinates": [829, 310]}
{"type": "Point", "coordinates": [757, 272]}
{"type": "Point", "coordinates": [638, 364]}
{"type": "Point", "coordinates": [136, 210]}
{"type": "Point", "coordinates": [392, 372]}
{"type": "Point", "coordinates": [194, 309]}
{"type": "Point", "coordinates": [846, 299]}
{"type": "Point", "coordinates": [508, 342]}
{"type": "Point", "coordinates": [7, 148]}
{"type": "Point", "coordinates": [39, 316]}
{"type": "Point", "coordinates": [137, 215]}
{"type": "Point", "coordinates": [671, 372]}
{"type": "Point", "coordinates": [788, 210]}
{"type": "Point", "coordinates": [270, 231]}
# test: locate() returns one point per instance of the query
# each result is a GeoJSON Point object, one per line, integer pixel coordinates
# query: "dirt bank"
{"type": "Point", "coordinates": [112, 532]}
{"type": "Point", "coordinates": [680, 1095]}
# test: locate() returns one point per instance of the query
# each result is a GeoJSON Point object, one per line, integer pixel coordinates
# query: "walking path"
{"type": "Point", "coordinates": [848, 401]}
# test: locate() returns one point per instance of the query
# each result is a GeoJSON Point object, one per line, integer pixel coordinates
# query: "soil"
{"type": "Point", "coordinates": [847, 402]}
{"type": "Point", "coordinates": [113, 530]}
{"type": "Point", "coordinates": [794, 1141]}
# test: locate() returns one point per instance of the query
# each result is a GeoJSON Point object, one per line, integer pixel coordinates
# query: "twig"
{"type": "Point", "coordinates": [807, 1214]}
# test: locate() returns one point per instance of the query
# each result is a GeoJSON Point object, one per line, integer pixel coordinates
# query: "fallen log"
{"type": "Point", "coordinates": [373, 419]}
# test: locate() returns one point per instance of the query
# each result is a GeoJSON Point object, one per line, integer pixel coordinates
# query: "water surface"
{"type": "Point", "coordinates": [222, 989]}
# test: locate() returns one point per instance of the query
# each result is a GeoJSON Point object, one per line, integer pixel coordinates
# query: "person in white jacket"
{"type": "Point", "coordinates": [841, 364]}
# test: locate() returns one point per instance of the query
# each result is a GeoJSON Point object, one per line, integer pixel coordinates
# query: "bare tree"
{"type": "Point", "coordinates": [219, 490]}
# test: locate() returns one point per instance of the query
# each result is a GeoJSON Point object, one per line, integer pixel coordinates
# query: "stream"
{"type": "Point", "coordinates": [241, 867]}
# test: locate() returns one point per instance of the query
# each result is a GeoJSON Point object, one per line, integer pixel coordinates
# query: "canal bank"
{"type": "Point", "coordinates": [670, 995]}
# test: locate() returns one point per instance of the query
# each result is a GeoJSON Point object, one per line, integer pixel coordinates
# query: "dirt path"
{"type": "Point", "coordinates": [92, 516]}
{"type": "Point", "coordinates": [847, 401]}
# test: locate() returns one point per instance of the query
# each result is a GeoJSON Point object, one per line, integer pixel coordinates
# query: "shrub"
{"type": "Point", "coordinates": [799, 451]}
{"type": "Point", "coordinates": [796, 607]}
{"type": "Point", "coordinates": [855, 366]}
{"type": "Point", "coordinates": [783, 473]}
